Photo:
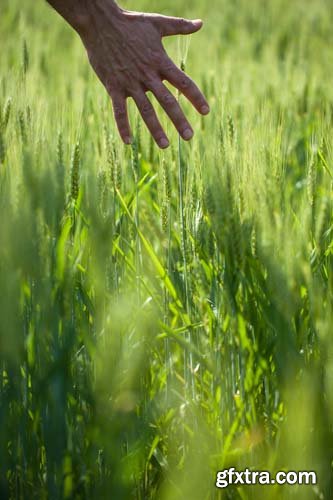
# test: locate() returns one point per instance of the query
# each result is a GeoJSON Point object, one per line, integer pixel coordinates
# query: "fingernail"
{"type": "Point", "coordinates": [187, 134]}
{"type": "Point", "coordinates": [163, 143]}
{"type": "Point", "coordinates": [205, 110]}
{"type": "Point", "coordinates": [128, 140]}
{"type": "Point", "coordinates": [197, 21]}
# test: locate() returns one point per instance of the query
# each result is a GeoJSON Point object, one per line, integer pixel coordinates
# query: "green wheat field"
{"type": "Point", "coordinates": [166, 315]}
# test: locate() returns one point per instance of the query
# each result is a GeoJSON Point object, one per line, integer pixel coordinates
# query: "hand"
{"type": "Point", "coordinates": [125, 49]}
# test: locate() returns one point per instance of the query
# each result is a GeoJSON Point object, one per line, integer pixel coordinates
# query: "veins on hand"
{"type": "Point", "coordinates": [127, 53]}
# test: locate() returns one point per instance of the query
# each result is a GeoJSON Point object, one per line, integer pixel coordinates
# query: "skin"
{"type": "Point", "coordinates": [125, 49]}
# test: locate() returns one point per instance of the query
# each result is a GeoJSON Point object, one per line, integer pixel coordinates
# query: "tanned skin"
{"type": "Point", "coordinates": [125, 49]}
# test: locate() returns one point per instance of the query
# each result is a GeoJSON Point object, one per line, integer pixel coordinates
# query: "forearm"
{"type": "Point", "coordinates": [80, 14]}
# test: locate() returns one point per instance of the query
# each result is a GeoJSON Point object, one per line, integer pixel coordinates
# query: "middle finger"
{"type": "Point", "coordinates": [172, 108]}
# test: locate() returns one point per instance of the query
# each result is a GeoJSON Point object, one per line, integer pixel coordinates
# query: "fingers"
{"type": "Point", "coordinates": [186, 86]}
{"type": "Point", "coordinates": [150, 118]}
{"type": "Point", "coordinates": [177, 26]}
{"type": "Point", "coordinates": [121, 117]}
{"type": "Point", "coordinates": [148, 114]}
{"type": "Point", "coordinates": [173, 110]}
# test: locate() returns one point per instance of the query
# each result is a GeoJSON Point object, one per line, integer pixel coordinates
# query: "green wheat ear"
{"type": "Point", "coordinates": [231, 129]}
{"type": "Point", "coordinates": [166, 181]}
{"type": "Point", "coordinates": [166, 197]}
{"type": "Point", "coordinates": [25, 57]}
{"type": "Point", "coordinates": [6, 113]}
{"type": "Point", "coordinates": [102, 191]}
{"type": "Point", "coordinates": [209, 201]}
{"type": "Point", "coordinates": [75, 172]}
{"type": "Point", "coordinates": [322, 221]}
{"type": "Point", "coordinates": [2, 148]}
{"type": "Point", "coordinates": [135, 160]}
{"type": "Point", "coordinates": [113, 163]}
{"type": "Point", "coordinates": [165, 216]}
{"type": "Point", "coordinates": [311, 181]}
{"type": "Point", "coordinates": [23, 127]}
{"type": "Point", "coordinates": [60, 150]}
{"type": "Point", "coordinates": [254, 242]}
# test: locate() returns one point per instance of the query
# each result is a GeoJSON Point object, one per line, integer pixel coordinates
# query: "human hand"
{"type": "Point", "coordinates": [125, 49]}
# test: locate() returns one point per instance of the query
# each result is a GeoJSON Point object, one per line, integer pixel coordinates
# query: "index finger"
{"type": "Point", "coordinates": [186, 86]}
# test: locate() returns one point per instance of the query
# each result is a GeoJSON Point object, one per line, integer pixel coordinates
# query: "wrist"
{"type": "Point", "coordinates": [86, 21]}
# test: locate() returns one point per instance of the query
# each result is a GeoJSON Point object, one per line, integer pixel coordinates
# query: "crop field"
{"type": "Point", "coordinates": [165, 315]}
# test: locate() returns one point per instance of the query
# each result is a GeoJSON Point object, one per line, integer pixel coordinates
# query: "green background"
{"type": "Point", "coordinates": [164, 315]}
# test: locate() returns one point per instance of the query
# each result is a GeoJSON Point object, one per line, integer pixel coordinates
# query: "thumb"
{"type": "Point", "coordinates": [177, 26]}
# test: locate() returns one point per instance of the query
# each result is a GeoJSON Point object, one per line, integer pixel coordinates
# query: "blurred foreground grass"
{"type": "Point", "coordinates": [152, 335]}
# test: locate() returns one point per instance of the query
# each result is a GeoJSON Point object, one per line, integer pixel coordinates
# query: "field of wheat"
{"type": "Point", "coordinates": [167, 314]}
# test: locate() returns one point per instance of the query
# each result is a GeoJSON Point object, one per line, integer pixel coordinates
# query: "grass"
{"type": "Point", "coordinates": [165, 315]}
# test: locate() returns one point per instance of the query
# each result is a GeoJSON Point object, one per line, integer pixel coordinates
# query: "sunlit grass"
{"type": "Point", "coordinates": [152, 335]}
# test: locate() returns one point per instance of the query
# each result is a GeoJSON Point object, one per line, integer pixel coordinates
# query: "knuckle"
{"type": "Point", "coordinates": [167, 99]}
{"type": "Point", "coordinates": [169, 67]}
{"type": "Point", "coordinates": [146, 110]}
{"type": "Point", "coordinates": [151, 82]}
{"type": "Point", "coordinates": [185, 83]}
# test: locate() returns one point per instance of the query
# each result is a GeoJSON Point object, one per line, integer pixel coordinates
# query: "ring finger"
{"type": "Point", "coordinates": [172, 108]}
